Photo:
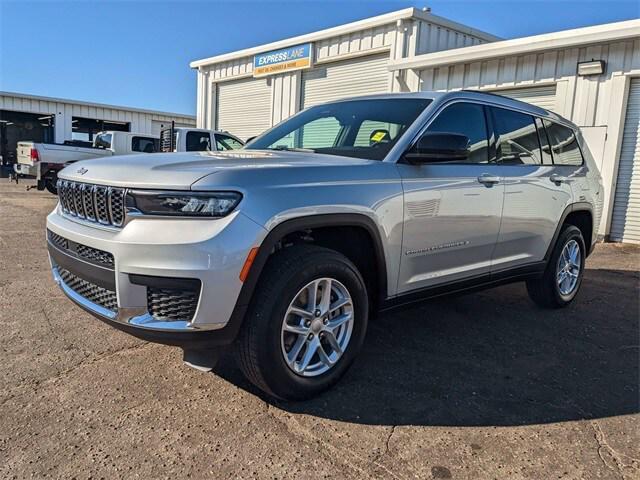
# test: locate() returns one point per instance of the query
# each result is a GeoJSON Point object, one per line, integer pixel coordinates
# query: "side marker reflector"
{"type": "Point", "coordinates": [244, 273]}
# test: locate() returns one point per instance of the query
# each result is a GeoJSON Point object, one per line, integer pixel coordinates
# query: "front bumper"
{"type": "Point", "coordinates": [208, 252]}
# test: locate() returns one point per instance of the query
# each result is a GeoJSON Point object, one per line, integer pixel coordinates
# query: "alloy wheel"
{"type": "Point", "coordinates": [317, 327]}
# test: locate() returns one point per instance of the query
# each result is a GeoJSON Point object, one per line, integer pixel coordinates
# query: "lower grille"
{"type": "Point", "coordinates": [172, 304]}
{"type": "Point", "coordinates": [58, 240]}
{"type": "Point", "coordinates": [85, 252]}
{"type": "Point", "coordinates": [95, 255]}
{"type": "Point", "coordinates": [95, 294]}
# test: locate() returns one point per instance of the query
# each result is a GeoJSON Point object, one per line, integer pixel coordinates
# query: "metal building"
{"type": "Point", "coordinates": [342, 61]}
{"type": "Point", "coordinates": [590, 75]}
{"type": "Point", "coordinates": [45, 119]}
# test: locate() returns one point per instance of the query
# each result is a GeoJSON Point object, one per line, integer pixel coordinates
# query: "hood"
{"type": "Point", "coordinates": [181, 170]}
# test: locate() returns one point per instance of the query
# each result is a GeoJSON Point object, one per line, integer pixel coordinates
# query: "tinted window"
{"type": "Point", "coordinates": [545, 148]}
{"type": "Point", "coordinates": [517, 138]}
{"type": "Point", "coordinates": [198, 141]}
{"type": "Point", "coordinates": [355, 128]}
{"type": "Point", "coordinates": [564, 144]}
{"type": "Point", "coordinates": [467, 119]}
{"type": "Point", "coordinates": [144, 144]}
{"type": "Point", "coordinates": [224, 142]}
{"type": "Point", "coordinates": [103, 140]}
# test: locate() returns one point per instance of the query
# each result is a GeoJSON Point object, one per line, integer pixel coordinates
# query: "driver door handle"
{"type": "Point", "coordinates": [488, 180]}
{"type": "Point", "coordinates": [555, 178]}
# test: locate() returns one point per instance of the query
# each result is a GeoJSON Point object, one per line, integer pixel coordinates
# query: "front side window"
{"type": "Point", "coordinates": [355, 128]}
{"type": "Point", "coordinates": [465, 119]}
{"type": "Point", "coordinates": [225, 142]}
{"type": "Point", "coordinates": [198, 142]}
{"type": "Point", "coordinates": [517, 138]}
{"type": "Point", "coordinates": [144, 144]}
{"type": "Point", "coordinates": [564, 144]}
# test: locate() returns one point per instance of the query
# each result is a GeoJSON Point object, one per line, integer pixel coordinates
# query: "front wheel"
{"type": "Point", "coordinates": [306, 323]}
{"type": "Point", "coordinates": [562, 277]}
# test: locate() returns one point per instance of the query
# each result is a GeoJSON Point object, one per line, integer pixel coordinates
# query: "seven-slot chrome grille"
{"type": "Point", "coordinates": [95, 203]}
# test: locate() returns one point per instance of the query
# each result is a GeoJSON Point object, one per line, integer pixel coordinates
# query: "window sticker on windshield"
{"type": "Point", "coordinates": [378, 136]}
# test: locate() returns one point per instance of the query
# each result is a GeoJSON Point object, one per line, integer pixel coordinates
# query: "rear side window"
{"type": "Point", "coordinates": [103, 140]}
{"type": "Point", "coordinates": [224, 142]}
{"type": "Point", "coordinates": [198, 141]}
{"type": "Point", "coordinates": [517, 138]}
{"type": "Point", "coordinates": [466, 119]}
{"type": "Point", "coordinates": [564, 144]}
{"type": "Point", "coordinates": [144, 144]}
{"type": "Point", "coordinates": [545, 148]}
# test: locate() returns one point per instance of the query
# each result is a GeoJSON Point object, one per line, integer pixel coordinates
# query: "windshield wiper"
{"type": "Point", "coordinates": [291, 149]}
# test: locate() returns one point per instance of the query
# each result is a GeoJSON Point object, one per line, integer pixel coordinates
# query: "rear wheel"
{"type": "Point", "coordinates": [306, 323]}
{"type": "Point", "coordinates": [51, 183]}
{"type": "Point", "coordinates": [562, 278]}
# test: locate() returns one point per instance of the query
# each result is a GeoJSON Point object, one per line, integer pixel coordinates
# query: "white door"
{"type": "Point", "coordinates": [244, 107]}
{"type": "Point", "coordinates": [348, 78]}
{"type": "Point", "coordinates": [543, 97]}
{"type": "Point", "coordinates": [625, 222]}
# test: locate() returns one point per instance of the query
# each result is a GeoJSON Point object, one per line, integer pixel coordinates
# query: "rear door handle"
{"type": "Point", "coordinates": [488, 180]}
{"type": "Point", "coordinates": [555, 178]}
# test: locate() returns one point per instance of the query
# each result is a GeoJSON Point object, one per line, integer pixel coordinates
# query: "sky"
{"type": "Point", "coordinates": [137, 53]}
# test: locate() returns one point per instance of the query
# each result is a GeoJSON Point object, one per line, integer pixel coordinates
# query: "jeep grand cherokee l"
{"type": "Point", "coordinates": [283, 249]}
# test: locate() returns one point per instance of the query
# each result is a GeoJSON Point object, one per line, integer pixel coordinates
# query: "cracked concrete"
{"type": "Point", "coordinates": [477, 386]}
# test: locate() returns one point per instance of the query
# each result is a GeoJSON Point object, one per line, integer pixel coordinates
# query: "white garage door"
{"type": "Point", "coordinates": [244, 107]}
{"type": "Point", "coordinates": [349, 78]}
{"type": "Point", "coordinates": [625, 223]}
{"type": "Point", "coordinates": [543, 97]}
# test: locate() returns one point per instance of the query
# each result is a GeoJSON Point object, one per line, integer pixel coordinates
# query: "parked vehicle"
{"type": "Point", "coordinates": [185, 139]}
{"type": "Point", "coordinates": [44, 160]}
{"type": "Point", "coordinates": [285, 248]}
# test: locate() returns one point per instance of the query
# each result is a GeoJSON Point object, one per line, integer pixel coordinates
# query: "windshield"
{"type": "Point", "coordinates": [356, 128]}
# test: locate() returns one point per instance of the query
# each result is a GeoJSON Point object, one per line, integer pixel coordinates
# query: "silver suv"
{"type": "Point", "coordinates": [286, 247]}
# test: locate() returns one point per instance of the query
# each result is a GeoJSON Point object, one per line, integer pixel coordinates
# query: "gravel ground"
{"type": "Point", "coordinates": [484, 385]}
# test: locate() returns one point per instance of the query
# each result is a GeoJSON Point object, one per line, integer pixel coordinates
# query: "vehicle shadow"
{"type": "Point", "coordinates": [491, 358]}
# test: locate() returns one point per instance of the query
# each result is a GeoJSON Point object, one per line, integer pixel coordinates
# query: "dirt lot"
{"type": "Point", "coordinates": [479, 386]}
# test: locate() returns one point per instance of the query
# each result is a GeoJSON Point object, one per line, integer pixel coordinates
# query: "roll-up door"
{"type": "Point", "coordinates": [348, 78]}
{"type": "Point", "coordinates": [244, 107]}
{"type": "Point", "coordinates": [543, 97]}
{"type": "Point", "coordinates": [625, 222]}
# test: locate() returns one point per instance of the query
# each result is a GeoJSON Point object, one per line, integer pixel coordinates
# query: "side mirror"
{"type": "Point", "coordinates": [439, 147]}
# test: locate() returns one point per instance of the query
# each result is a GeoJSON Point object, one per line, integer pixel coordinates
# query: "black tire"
{"type": "Point", "coordinates": [545, 291]}
{"type": "Point", "coordinates": [50, 183]}
{"type": "Point", "coordinates": [258, 346]}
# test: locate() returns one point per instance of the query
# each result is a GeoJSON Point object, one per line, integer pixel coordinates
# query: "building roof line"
{"type": "Point", "coordinates": [94, 104]}
{"type": "Point", "coordinates": [344, 29]}
{"type": "Point", "coordinates": [518, 46]}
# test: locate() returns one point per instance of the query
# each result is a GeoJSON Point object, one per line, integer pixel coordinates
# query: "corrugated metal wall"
{"type": "Point", "coordinates": [625, 222]}
{"type": "Point", "coordinates": [362, 76]}
{"type": "Point", "coordinates": [434, 38]}
{"type": "Point", "coordinates": [584, 100]}
{"type": "Point", "coordinates": [409, 38]}
{"type": "Point", "coordinates": [244, 107]}
{"type": "Point", "coordinates": [141, 122]}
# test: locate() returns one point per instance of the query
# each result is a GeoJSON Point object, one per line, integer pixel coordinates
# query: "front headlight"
{"type": "Point", "coordinates": [183, 204]}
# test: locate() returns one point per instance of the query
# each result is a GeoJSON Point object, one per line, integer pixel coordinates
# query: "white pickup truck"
{"type": "Point", "coordinates": [184, 139]}
{"type": "Point", "coordinates": [44, 160]}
